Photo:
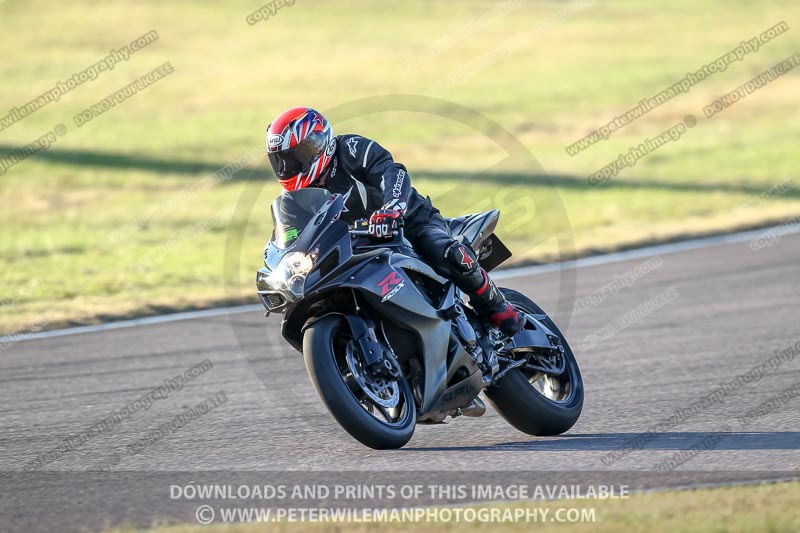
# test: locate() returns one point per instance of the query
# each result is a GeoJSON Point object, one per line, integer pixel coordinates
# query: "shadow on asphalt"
{"type": "Point", "coordinates": [771, 440]}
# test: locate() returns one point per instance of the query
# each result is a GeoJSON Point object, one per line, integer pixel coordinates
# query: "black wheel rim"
{"type": "Point", "coordinates": [558, 389]}
{"type": "Point", "coordinates": [393, 411]}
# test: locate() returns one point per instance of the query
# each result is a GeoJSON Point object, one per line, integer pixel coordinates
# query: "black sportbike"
{"type": "Point", "coordinates": [388, 343]}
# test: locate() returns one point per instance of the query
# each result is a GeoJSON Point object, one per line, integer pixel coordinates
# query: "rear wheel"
{"type": "Point", "coordinates": [535, 402]}
{"type": "Point", "coordinates": [380, 414]}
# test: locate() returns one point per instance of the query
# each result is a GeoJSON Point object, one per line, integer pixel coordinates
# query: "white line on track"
{"type": "Point", "coordinates": [122, 324]}
{"type": "Point", "coordinates": [616, 257]}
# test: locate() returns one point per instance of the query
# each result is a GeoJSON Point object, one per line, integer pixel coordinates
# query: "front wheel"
{"type": "Point", "coordinates": [537, 403]}
{"type": "Point", "coordinates": [380, 415]}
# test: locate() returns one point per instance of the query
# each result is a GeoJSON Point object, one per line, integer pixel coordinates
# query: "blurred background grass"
{"type": "Point", "coordinates": [548, 72]}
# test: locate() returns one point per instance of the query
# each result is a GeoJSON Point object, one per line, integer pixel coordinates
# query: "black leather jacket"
{"type": "Point", "coordinates": [365, 173]}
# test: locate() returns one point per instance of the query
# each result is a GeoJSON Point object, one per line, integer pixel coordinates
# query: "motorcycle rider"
{"type": "Point", "coordinates": [304, 152]}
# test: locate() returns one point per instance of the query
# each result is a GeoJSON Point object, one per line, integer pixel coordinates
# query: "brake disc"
{"type": "Point", "coordinates": [386, 394]}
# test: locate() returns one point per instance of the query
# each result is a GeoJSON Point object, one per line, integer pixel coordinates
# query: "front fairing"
{"type": "Point", "coordinates": [299, 245]}
{"type": "Point", "coordinates": [344, 276]}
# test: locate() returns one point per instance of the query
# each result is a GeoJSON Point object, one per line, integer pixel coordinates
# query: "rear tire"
{"type": "Point", "coordinates": [321, 356]}
{"type": "Point", "coordinates": [521, 404]}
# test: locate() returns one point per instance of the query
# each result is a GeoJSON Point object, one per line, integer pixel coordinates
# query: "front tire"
{"type": "Point", "coordinates": [525, 407]}
{"type": "Point", "coordinates": [323, 350]}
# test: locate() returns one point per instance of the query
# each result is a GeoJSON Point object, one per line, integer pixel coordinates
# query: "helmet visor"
{"type": "Point", "coordinates": [298, 159]}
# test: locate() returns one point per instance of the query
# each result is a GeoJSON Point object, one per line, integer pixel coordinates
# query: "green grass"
{"type": "Point", "coordinates": [748, 509]}
{"type": "Point", "coordinates": [549, 87]}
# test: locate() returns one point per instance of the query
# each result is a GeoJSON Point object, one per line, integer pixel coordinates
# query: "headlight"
{"type": "Point", "coordinates": [290, 273]}
{"type": "Point", "coordinates": [298, 263]}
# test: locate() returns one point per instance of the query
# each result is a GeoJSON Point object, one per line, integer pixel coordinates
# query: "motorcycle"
{"type": "Point", "coordinates": [388, 343]}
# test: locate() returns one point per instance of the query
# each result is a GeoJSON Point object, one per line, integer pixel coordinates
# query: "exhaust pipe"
{"type": "Point", "coordinates": [475, 408]}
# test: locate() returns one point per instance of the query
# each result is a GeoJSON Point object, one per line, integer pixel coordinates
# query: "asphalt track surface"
{"type": "Point", "coordinates": [695, 320]}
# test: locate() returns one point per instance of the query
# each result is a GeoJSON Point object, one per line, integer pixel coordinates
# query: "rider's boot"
{"type": "Point", "coordinates": [491, 305]}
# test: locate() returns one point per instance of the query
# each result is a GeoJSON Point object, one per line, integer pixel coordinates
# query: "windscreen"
{"type": "Point", "coordinates": [292, 211]}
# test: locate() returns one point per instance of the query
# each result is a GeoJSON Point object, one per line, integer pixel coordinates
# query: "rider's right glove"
{"type": "Point", "coordinates": [383, 223]}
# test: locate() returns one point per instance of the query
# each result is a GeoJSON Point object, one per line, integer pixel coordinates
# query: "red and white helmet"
{"type": "Point", "coordinates": [300, 144]}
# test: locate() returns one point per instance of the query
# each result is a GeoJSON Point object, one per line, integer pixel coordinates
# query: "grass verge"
{"type": "Point", "coordinates": [118, 218]}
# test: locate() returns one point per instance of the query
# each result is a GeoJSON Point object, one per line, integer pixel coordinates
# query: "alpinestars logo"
{"type": "Point", "coordinates": [390, 285]}
{"type": "Point", "coordinates": [345, 197]}
{"type": "Point", "coordinates": [466, 260]}
{"type": "Point", "coordinates": [492, 290]}
{"type": "Point", "coordinates": [331, 147]}
{"type": "Point", "coordinates": [397, 190]}
{"type": "Point", "coordinates": [351, 146]}
{"type": "Point", "coordinates": [333, 167]}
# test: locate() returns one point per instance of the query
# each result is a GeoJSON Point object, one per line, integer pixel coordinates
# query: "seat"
{"type": "Point", "coordinates": [475, 227]}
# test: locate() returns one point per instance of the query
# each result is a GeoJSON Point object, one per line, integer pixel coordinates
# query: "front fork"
{"type": "Point", "coordinates": [378, 360]}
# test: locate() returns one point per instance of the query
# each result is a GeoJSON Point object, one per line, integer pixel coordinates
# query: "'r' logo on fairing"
{"type": "Point", "coordinates": [390, 285]}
